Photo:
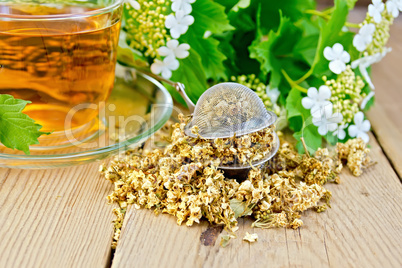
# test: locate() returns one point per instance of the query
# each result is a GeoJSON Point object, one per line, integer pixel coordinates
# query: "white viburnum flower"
{"type": "Point", "coordinates": [207, 34]}
{"type": "Point", "coordinates": [360, 128]}
{"type": "Point", "coordinates": [365, 62]}
{"type": "Point", "coordinates": [398, 4]}
{"type": "Point", "coordinates": [178, 23]}
{"type": "Point", "coordinates": [273, 94]}
{"type": "Point", "coordinates": [173, 49]}
{"type": "Point", "coordinates": [337, 57]}
{"type": "Point", "coordinates": [165, 67]}
{"type": "Point", "coordinates": [316, 99]}
{"type": "Point", "coordinates": [134, 4]}
{"type": "Point", "coordinates": [366, 100]}
{"type": "Point", "coordinates": [375, 9]}
{"type": "Point", "coordinates": [364, 37]}
{"type": "Point", "coordinates": [184, 5]}
{"type": "Point", "coordinates": [340, 131]}
{"type": "Point", "coordinates": [392, 7]}
{"type": "Point", "coordinates": [325, 120]}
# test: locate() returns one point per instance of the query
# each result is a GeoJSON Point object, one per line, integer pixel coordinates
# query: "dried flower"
{"type": "Point", "coordinates": [250, 237]}
{"type": "Point", "coordinates": [355, 153]}
{"type": "Point", "coordinates": [183, 180]}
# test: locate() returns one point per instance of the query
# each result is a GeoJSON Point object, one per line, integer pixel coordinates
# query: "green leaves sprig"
{"type": "Point", "coordinates": [17, 130]}
{"type": "Point", "coordinates": [280, 42]}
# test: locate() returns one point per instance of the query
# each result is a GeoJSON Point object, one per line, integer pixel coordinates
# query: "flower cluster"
{"type": "Point", "coordinates": [346, 93]}
{"type": "Point", "coordinates": [178, 23]}
{"type": "Point", "coordinates": [145, 25]}
{"type": "Point", "coordinates": [355, 154]}
{"type": "Point", "coordinates": [374, 34]}
{"type": "Point", "coordinates": [148, 26]}
{"type": "Point", "coordinates": [321, 109]}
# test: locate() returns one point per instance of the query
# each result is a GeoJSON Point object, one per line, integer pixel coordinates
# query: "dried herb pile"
{"type": "Point", "coordinates": [183, 180]}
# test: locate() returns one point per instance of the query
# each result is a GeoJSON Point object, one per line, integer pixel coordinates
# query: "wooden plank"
{"type": "Point", "coordinates": [388, 135]}
{"type": "Point", "coordinates": [385, 117]}
{"type": "Point", "coordinates": [55, 218]}
{"type": "Point", "coordinates": [363, 229]}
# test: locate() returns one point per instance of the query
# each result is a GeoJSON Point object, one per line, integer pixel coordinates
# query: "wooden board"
{"type": "Point", "coordinates": [385, 117]}
{"type": "Point", "coordinates": [55, 218]}
{"type": "Point", "coordinates": [362, 228]}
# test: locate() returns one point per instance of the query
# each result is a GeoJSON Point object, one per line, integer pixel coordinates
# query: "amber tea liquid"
{"type": "Point", "coordinates": [58, 65]}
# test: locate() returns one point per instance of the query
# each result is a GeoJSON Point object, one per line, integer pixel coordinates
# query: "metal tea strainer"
{"type": "Point", "coordinates": [226, 110]}
{"type": "Point", "coordinates": [229, 109]}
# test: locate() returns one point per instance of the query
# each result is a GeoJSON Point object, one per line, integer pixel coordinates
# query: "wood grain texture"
{"type": "Point", "coordinates": [55, 218]}
{"type": "Point", "coordinates": [362, 229]}
{"type": "Point", "coordinates": [385, 117]}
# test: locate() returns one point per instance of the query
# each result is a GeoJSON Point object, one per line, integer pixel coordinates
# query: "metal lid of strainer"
{"type": "Point", "coordinates": [229, 109]}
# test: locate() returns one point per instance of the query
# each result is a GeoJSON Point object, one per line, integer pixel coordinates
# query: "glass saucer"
{"type": "Point", "coordinates": [138, 107]}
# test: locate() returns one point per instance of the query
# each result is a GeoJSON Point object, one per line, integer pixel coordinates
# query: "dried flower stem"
{"type": "Point", "coordinates": [305, 147]}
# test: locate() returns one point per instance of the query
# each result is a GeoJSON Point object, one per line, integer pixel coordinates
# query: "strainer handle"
{"type": "Point", "coordinates": [177, 85]}
{"type": "Point", "coordinates": [181, 89]}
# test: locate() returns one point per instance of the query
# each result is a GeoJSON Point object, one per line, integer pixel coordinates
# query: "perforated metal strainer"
{"type": "Point", "coordinates": [229, 109]}
{"type": "Point", "coordinates": [226, 110]}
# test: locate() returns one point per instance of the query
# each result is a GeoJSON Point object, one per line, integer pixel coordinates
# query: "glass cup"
{"type": "Point", "coordinates": [61, 56]}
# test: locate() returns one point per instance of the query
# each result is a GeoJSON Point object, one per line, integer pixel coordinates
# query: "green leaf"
{"type": "Point", "coordinates": [230, 53]}
{"type": "Point", "coordinates": [306, 48]}
{"type": "Point", "coordinates": [17, 130]}
{"type": "Point", "coordinates": [9, 104]}
{"type": "Point", "coordinates": [329, 35]}
{"type": "Point", "coordinates": [239, 208]}
{"type": "Point", "coordinates": [351, 4]}
{"type": "Point", "coordinates": [191, 74]}
{"type": "Point", "coordinates": [310, 25]}
{"type": "Point", "coordinates": [295, 110]}
{"type": "Point", "coordinates": [128, 56]}
{"type": "Point", "coordinates": [292, 9]}
{"type": "Point", "coordinates": [209, 16]}
{"type": "Point", "coordinates": [275, 54]}
{"type": "Point", "coordinates": [228, 4]}
{"type": "Point", "coordinates": [300, 122]}
{"type": "Point", "coordinates": [311, 137]}
{"type": "Point", "coordinates": [211, 57]}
